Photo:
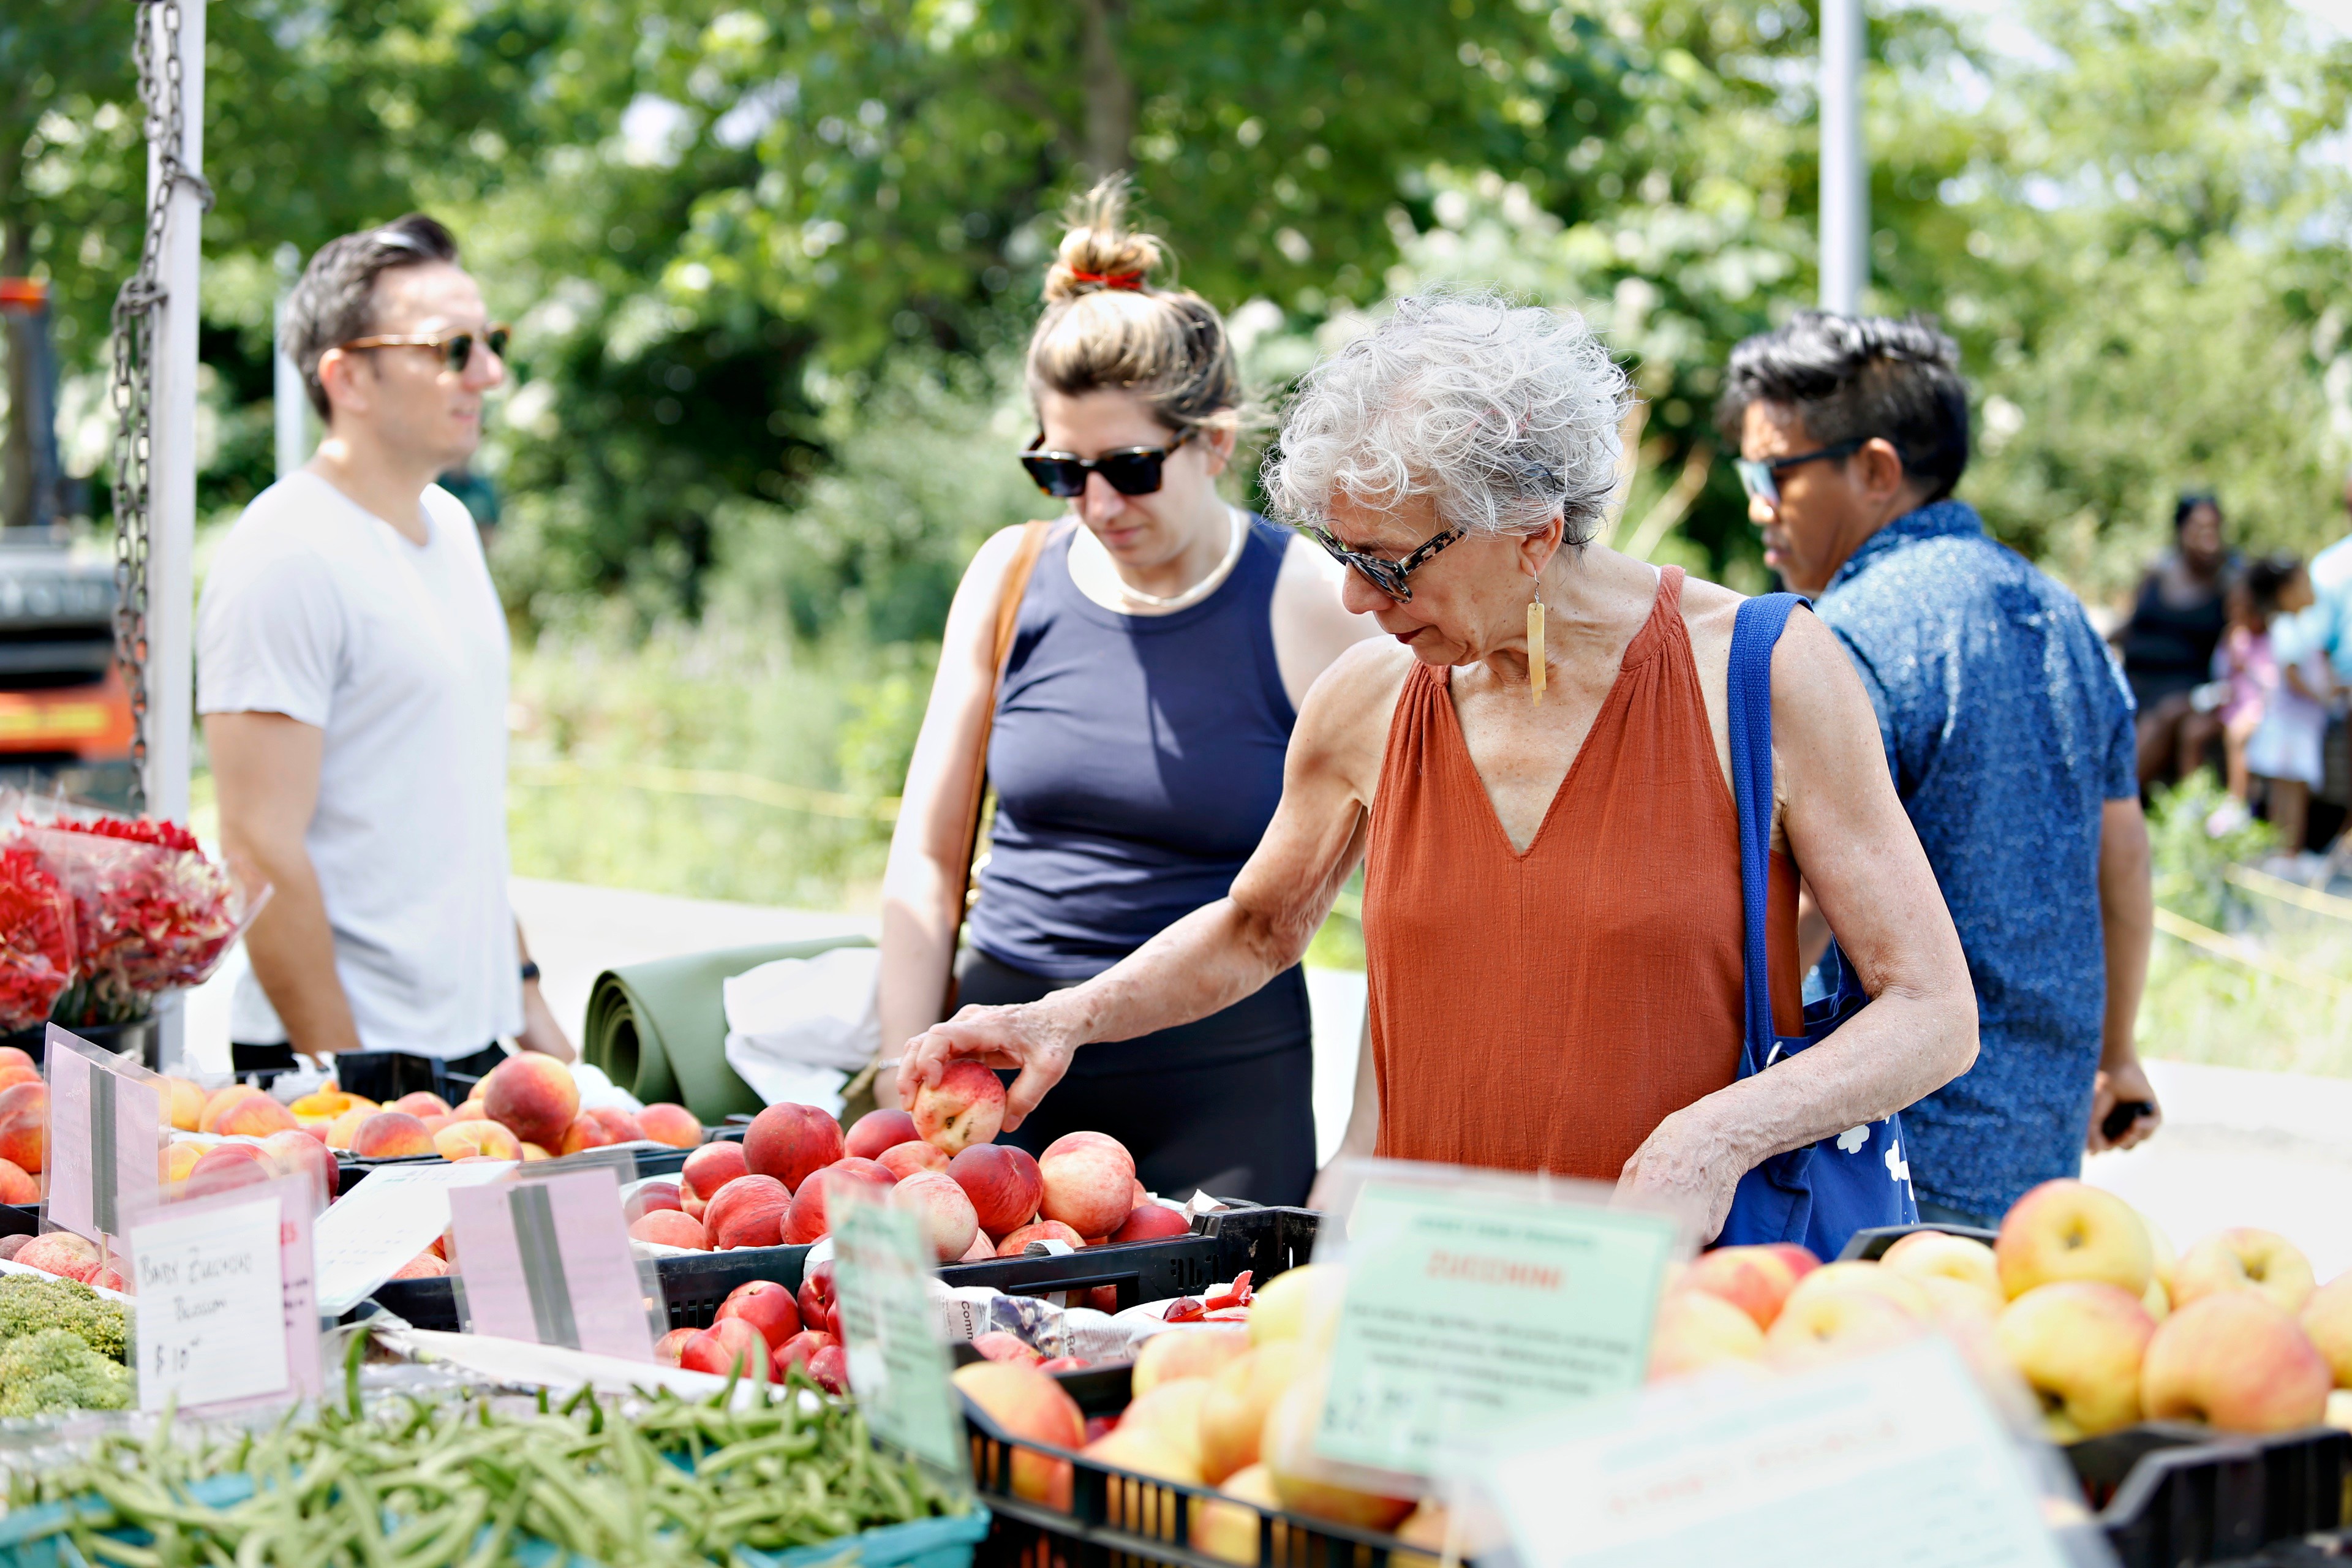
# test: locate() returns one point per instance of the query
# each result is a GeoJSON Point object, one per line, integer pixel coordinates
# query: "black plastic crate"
{"type": "Point", "coordinates": [1870, 1246]}
{"type": "Point", "coordinates": [2172, 1495]}
{"type": "Point", "coordinates": [20, 1219]}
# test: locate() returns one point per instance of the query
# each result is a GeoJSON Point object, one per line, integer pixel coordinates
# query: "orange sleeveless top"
{"type": "Point", "coordinates": [1546, 1011]}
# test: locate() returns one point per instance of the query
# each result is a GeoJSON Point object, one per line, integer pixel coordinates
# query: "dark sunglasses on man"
{"type": "Point", "coordinates": [1760, 477]}
{"type": "Point", "coordinates": [456, 348]}
{"type": "Point", "coordinates": [1129, 470]}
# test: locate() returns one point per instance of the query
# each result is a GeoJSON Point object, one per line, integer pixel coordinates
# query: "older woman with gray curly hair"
{"type": "Point", "coordinates": [1535, 774]}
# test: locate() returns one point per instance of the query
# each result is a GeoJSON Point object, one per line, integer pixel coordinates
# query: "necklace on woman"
{"type": "Point", "coordinates": [1199, 590]}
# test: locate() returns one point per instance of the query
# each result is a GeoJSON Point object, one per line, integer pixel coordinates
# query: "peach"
{"type": "Point", "coordinates": [481, 1089]}
{"type": "Point", "coordinates": [706, 1170]}
{"type": "Point", "coordinates": [1028, 1405]}
{"type": "Point", "coordinates": [316, 1131]}
{"type": "Point", "coordinates": [179, 1160]}
{"type": "Point", "coordinates": [472, 1111]}
{"type": "Point", "coordinates": [652, 1195]}
{"type": "Point", "coordinates": [585, 1132]}
{"type": "Point", "coordinates": [944, 1213]}
{"type": "Point", "coordinates": [229, 1165]}
{"type": "Point", "coordinates": [999, 1345]}
{"type": "Point", "coordinates": [345, 1128]}
{"type": "Point", "coordinates": [2066, 1229]}
{"type": "Point", "coordinates": [1233, 1415]}
{"type": "Point", "coordinates": [1699, 1329]}
{"type": "Point", "coordinates": [433, 1124]}
{"type": "Point", "coordinates": [254, 1116]}
{"type": "Point", "coordinates": [830, 1368]}
{"type": "Point", "coordinates": [534, 1151]}
{"type": "Point", "coordinates": [879, 1129]}
{"type": "Point", "coordinates": [420, 1103]}
{"type": "Point", "coordinates": [2327, 1319]}
{"type": "Point", "coordinates": [1087, 1184]}
{"type": "Point", "coordinates": [2235, 1360]}
{"type": "Point", "coordinates": [391, 1135]}
{"type": "Point", "coordinates": [14, 1057]}
{"type": "Point", "coordinates": [320, 1105]}
{"type": "Point", "coordinates": [12, 1076]}
{"type": "Point", "coordinates": [2240, 1260]}
{"type": "Point", "coordinates": [218, 1103]}
{"type": "Point", "coordinates": [981, 1249]}
{"type": "Point", "coordinates": [1301, 1304]}
{"type": "Point", "coordinates": [728, 1347]}
{"type": "Point", "coordinates": [618, 1124]}
{"type": "Point", "coordinates": [1752, 1278]}
{"type": "Point", "coordinates": [2078, 1346]}
{"type": "Point", "coordinates": [1935, 1253]}
{"type": "Point", "coordinates": [1152, 1222]}
{"type": "Point", "coordinates": [1898, 1287]}
{"type": "Point", "coordinates": [489, 1139]}
{"type": "Point", "coordinates": [1284, 1450]}
{"type": "Point", "coordinates": [24, 1126]}
{"type": "Point", "coordinates": [791, 1142]}
{"type": "Point", "coordinates": [819, 1309]}
{"type": "Point", "coordinates": [904, 1159]}
{"type": "Point", "coordinates": [183, 1104]}
{"type": "Point", "coordinates": [768, 1307]}
{"type": "Point", "coordinates": [1172, 1415]}
{"type": "Point", "coordinates": [801, 1349]}
{"type": "Point", "coordinates": [1836, 1324]}
{"type": "Point", "coordinates": [671, 1345]}
{"type": "Point", "coordinates": [806, 1221]}
{"type": "Point", "coordinates": [1175, 1353]}
{"type": "Point", "coordinates": [1229, 1531]}
{"type": "Point", "coordinates": [424, 1266]}
{"type": "Point", "coordinates": [16, 1184]}
{"type": "Point", "coordinates": [1017, 1242]}
{"type": "Point", "coordinates": [965, 1107]}
{"type": "Point", "coordinates": [746, 1212]}
{"type": "Point", "coordinates": [668, 1227]}
{"type": "Point", "coordinates": [62, 1253]}
{"type": "Point", "coordinates": [534, 1096]}
{"type": "Point", "coordinates": [1003, 1184]}
{"type": "Point", "coordinates": [671, 1124]}
{"type": "Point", "coordinates": [298, 1154]}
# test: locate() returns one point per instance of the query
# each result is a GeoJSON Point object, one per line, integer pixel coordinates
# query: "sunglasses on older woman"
{"type": "Point", "coordinates": [1129, 470]}
{"type": "Point", "coordinates": [1393, 578]}
{"type": "Point", "coordinates": [456, 348]}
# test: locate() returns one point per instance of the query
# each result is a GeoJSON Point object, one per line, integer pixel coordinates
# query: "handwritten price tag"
{"type": "Point", "coordinates": [1468, 1312]}
{"type": "Point", "coordinates": [548, 1260]}
{"type": "Point", "coordinates": [386, 1221]}
{"type": "Point", "coordinates": [898, 1367]}
{"type": "Point", "coordinates": [105, 1137]}
{"type": "Point", "coordinates": [1892, 1460]}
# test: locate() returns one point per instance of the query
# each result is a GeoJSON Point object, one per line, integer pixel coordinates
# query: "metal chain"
{"type": "Point", "coordinates": [134, 370]}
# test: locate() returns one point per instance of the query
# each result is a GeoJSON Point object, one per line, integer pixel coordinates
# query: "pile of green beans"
{"type": "Point", "coordinates": [451, 1482]}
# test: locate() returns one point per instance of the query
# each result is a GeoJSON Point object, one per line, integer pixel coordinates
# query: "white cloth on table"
{"type": "Point", "coordinates": [798, 1027]}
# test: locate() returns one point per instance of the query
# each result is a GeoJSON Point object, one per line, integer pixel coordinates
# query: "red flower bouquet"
{"type": "Point", "coordinates": [149, 912]}
{"type": "Point", "coordinates": [37, 939]}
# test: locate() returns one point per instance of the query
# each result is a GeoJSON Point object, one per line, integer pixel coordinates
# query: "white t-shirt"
{"type": "Point", "coordinates": [319, 610]}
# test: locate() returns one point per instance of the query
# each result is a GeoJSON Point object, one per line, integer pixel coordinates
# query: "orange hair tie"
{"type": "Point", "coordinates": [1131, 281]}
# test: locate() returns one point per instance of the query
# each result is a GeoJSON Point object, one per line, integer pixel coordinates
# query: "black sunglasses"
{"type": "Point", "coordinates": [1130, 470]}
{"type": "Point", "coordinates": [1762, 476]}
{"type": "Point", "coordinates": [1390, 577]}
{"type": "Point", "coordinates": [456, 348]}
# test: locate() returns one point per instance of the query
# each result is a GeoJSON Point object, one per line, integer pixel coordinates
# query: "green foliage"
{"type": "Point", "coordinates": [53, 1370]}
{"type": "Point", "coordinates": [2190, 859]}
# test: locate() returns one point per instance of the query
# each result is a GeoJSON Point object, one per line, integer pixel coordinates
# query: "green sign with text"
{"type": "Point", "coordinates": [898, 1367]}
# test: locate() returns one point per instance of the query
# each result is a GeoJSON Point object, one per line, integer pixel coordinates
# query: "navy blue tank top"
{"type": "Point", "coordinates": [1137, 761]}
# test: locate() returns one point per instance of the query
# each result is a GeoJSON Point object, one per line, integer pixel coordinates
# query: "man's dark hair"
{"type": "Point", "coordinates": [335, 301]}
{"type": "Point", "coordinates": [1853, 377]}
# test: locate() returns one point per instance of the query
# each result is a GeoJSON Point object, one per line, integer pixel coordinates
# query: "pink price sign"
{"type": "Point", "coordinates": [106, 1138]}
{"type": "Point", "coordinates": [547, 1260]}
{"type": "Point", "coordinates": [228, 1303]}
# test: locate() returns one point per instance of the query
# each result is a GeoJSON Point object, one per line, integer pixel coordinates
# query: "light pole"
{"type": "Point", "coordinates": [1845, 179]}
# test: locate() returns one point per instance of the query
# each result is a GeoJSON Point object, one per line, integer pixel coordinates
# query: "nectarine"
{"type": "Point", "coordinates": [2235, 1360]}
{"type": "Point", "coordinates": [791, 1142]}
{"type": "Point", "coordinates": [534, 1096]}
{"type": "Point", "coordinates": [965, 1107]}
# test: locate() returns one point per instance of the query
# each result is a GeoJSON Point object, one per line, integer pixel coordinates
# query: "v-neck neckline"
{"type": "Point", "coordinates": [1626, 660]}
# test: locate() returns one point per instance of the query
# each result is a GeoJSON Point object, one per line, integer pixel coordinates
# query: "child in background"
{"type": "Point", "coordinates": [2243, 663]}
{"type": "Point", "coordinates": [2284, 750]}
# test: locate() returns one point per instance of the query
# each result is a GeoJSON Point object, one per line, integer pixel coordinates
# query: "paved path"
{"type": "Point", "coordinates": [2238, 1148]}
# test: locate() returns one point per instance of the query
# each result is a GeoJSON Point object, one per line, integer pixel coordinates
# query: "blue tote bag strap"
{"type": "Point", "coordinates": [1749, 697]}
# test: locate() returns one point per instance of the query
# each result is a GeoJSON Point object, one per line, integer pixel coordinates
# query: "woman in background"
{"type": "Point", "coordinates": [2167, 645]}
{"type": "Point", "coordinates": [1165, 641]}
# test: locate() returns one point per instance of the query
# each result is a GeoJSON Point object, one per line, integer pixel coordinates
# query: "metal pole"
{"type": "Point", "coordinates": [292, 403]}
{"type": "Point", "coordinates": [171, 539]}
{"type": "Point", "coordinates": [1845, 178]}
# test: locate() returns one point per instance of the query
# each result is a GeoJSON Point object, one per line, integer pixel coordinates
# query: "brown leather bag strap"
{"type": "Point", "coordinates": [1008, 617]}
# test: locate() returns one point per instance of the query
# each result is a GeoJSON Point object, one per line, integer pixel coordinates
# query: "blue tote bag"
{"type": "Point", "coordinates": [1820, 1194]}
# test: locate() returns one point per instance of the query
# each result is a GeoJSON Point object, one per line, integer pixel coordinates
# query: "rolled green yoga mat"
{"type": "Point", "coordinates": [659, 1029]}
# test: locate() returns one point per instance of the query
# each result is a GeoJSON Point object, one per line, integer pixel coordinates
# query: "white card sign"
{"type": "Point", "coordinates": [369, 1232]}
{"type": "Point", "coordinates": [547, 1260]}
{"type": "Point", "coordinates": [216, 1324]}
{"type": "Point", "coordinates": [1895, 1460]}
{"type": "Point", "coordinates": [898, 1367]}
{"type": "Point", "coordinates": [105, 1137]}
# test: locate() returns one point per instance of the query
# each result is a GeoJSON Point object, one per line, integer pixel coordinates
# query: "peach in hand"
{"type": "Point", "coordinates": [965, 1107]}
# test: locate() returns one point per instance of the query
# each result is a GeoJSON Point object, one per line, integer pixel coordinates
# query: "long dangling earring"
{"type": "Point", "coordinates": [1535, 644]}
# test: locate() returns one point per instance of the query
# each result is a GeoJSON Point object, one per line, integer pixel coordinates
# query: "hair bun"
{"type": "Point", "coordinates": [1100, 251]}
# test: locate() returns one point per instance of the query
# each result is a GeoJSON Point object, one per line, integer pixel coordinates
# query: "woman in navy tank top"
{"type": "Point", "coordinates": [1164, 641]}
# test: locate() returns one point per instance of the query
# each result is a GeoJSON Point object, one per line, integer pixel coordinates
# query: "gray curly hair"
{"type": "Point", "coordinates": [1505, 413]}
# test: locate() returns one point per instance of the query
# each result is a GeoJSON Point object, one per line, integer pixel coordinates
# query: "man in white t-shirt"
{"type": "Point", "coordinates": [352, 671]}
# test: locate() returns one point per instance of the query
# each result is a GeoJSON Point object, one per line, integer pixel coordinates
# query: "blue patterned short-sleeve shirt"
{"type": "Point", "coordinates": [2008, 727]}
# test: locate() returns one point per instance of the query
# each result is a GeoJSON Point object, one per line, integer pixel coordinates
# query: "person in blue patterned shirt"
{"type": "Point", "coordinates": [2007, 727]}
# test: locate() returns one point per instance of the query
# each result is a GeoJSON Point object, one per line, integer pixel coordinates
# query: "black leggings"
{"type": "Point", "coordinates": [1225, 1105]}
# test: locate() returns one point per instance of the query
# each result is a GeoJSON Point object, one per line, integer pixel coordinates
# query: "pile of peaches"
{"type": "Point", "coordinates": [24, 1127]}
{"type": "Point", "coordinates": [975, 1198]}
{"type": "Point", "coordinates": [2080, 1296]}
